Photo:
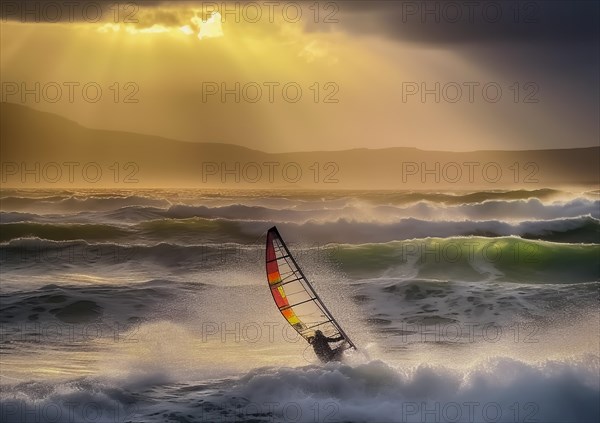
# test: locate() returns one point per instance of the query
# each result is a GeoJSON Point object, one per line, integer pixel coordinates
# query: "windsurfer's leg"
{"type": "Point", "coordinates": [336, 354]}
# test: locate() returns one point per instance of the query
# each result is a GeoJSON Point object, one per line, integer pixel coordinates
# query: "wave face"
{"type": "Point", "coordinates": [498, 390]}
{"type": "Point", "coordinates": [151, 306]}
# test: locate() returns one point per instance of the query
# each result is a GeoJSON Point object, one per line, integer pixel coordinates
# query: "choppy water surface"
{"type": "Point", "coordinates": [150, 306]}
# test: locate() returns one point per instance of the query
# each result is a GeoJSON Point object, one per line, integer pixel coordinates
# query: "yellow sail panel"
{"type": "Point", "coordinates": [291, 317]}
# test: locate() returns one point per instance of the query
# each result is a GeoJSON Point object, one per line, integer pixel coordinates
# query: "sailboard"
{"type": "Point", "coordinates": [294, 295]}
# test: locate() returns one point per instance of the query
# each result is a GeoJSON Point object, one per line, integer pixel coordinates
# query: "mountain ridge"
{"type": "Point", "coordinates": [33, 136]}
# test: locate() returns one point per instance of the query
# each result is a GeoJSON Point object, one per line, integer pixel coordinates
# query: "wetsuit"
{"type": "Point", "coordinates": [323, 350]}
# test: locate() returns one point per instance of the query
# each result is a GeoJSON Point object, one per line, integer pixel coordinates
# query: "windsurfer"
{"type": "Point", "coordinates": [320, 344]}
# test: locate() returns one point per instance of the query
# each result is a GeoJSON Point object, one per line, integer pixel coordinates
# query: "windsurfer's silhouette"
{"type": "Point", "coordinates": [320, 344]}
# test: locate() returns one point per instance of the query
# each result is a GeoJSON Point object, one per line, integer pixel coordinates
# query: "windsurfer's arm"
{"type": "Point", "coordinates": [339, 338]}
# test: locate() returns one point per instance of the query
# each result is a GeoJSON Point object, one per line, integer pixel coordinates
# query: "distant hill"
{"type": "Point", "coordinates": [61, 153]}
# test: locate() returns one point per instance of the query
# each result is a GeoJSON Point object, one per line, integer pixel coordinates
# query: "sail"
{"type": "Point", "coordinates": [294, 296]}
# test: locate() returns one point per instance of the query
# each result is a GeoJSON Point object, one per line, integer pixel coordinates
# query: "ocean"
{"type": "Point", "coordinates": [153, 306]}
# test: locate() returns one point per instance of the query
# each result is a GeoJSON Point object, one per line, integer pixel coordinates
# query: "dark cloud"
{"type": "Point", "coordinates": [473, 22]}
{"type": "Point", "coordinates": [431, 22]}
{"type": "Point", "coordinates": [552, 43]}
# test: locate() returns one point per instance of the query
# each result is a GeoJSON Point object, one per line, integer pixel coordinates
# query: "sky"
{"type": "Point", "coordinates": [305, 76]}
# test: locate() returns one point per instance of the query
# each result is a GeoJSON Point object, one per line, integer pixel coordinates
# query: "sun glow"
{"type": "Point", "coordinates": [211, 27]}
